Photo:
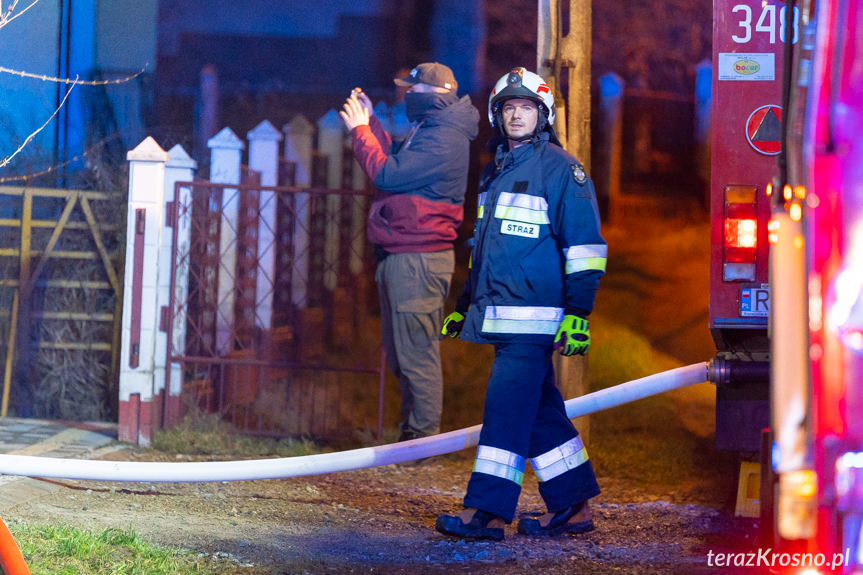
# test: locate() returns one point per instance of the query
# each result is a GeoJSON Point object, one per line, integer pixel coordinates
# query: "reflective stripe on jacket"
{"type": "Point", "coordinates": [538, 251]}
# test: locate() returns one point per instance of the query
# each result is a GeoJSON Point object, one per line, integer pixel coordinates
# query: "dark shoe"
{"type": "Point", "coordinates": [409, 434]}
{"type": "Point", "coordinates": [476, 529]}
{"type": "Point", "coordinates": [559, 523]}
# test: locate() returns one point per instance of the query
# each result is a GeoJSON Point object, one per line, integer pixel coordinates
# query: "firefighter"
{"type": "Point", "coordinates": [535, 268]}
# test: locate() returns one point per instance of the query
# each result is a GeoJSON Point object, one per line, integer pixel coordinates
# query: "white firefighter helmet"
{"type": "Point", "coordinates": [521, 83]}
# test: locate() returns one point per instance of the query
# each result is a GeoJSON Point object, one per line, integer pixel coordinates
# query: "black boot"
{"type": "Point", "coordinates": [476, 529]}
{"type": "Point", "coordinates": [559, 523]}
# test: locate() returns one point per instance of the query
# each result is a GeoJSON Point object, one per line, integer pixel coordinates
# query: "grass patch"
{"type": "Point", "coordinates": [618, 355]}
{"type": "Point", "coordinates": [65, 550]}
{"type": "Point", "coordinates": [646, 440]}
{"type": "Point", "coordinates": [201, 434]}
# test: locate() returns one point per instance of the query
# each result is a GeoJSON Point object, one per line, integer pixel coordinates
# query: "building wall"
{"type": "Point", "coordinates": [88, 39]}
{"type": "Point", "coordinates": [275, 60]}
{"type": "Point", "coordinates": [29, 44]}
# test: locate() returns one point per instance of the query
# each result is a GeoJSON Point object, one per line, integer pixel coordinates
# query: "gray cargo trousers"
{"type": "Point", "coordinates": [412, 289]}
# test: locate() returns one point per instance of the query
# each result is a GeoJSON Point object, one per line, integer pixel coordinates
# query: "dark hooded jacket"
{"type": "Point", "coordinates": [419, 202]}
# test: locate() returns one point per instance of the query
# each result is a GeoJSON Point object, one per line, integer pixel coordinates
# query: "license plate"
{"type": "Point", "coordinates": [755, 301]}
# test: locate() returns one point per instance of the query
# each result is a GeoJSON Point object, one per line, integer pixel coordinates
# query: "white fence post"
{"type": "Point", "coordinates": [385, 116]}
{"type": "Point", "coordinates": [226, 151]}
{"type": "Point", "coordinates": [264, 158]}
{"type": "Point", "coordinates": [611, 88]}
{"type": "Point", "coordinates": [180, 168]}
{"type": "Point", "coordinates": [145, 220]}
{"type": "Point", "coordinates": [358, 218]}
{"type": "Point", "coordinates": [298, 150]}
{"type": "Point", "coordinates": [703, 100]}
{"type": "Point", "coordinates": [331, 143]}
{"type": "Point", "coordinates": [400, 123]}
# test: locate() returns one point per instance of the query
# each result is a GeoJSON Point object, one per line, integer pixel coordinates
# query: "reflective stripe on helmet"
{"type": "Point", "coordinates": [586, 257]}
{"type": "Point", "coordinates": [500, 463]}
{"type": "Point", "coordinates": [559, 460]}
{"type": "Point", "coordinates": [522, 319]}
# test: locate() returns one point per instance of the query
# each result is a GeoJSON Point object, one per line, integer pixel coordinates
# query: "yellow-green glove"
{"type": "Point", "coordinates": [452, 324]}
{"type": "Point", "coordinates": [573, 336]}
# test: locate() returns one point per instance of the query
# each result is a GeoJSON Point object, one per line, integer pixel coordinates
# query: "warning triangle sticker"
{"type": "Point", "coordinates": [764, 130]}
{"type": "Point", "coordinates": [770, 129]}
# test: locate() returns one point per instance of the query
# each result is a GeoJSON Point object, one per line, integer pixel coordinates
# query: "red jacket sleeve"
{"type": "Point", "coordinates": [371, 144]}
{"type": "Point", "coordinates": [380, 134]}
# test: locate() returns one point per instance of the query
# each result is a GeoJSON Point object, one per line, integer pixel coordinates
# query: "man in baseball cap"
{"type": "Point", "coordinates": [431, 73]}
{"type": "Point", "coordinates": [413, 223]}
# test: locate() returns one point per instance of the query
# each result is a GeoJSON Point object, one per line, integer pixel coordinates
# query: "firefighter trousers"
{"type": "Point", "coordinates": [525, 420]}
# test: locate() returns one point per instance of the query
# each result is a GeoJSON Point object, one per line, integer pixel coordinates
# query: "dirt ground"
{"type": "Point", "coordinates": [380, 520]}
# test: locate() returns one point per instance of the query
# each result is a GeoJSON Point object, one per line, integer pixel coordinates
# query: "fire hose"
{"type": "Point", "coordinates": [257, 469]}
{"type": "Point", "coordinates": [12, 562]}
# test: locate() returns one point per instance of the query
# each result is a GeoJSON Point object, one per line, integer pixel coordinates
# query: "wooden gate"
{"type": "Point", "coordinates": [60, 302]}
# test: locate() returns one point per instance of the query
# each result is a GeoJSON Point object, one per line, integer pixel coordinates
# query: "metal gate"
{"type": "Point", "coordinates": [274, 291]}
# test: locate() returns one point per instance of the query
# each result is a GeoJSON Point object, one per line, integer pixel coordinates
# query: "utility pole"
{"type": "Point", "coordinates": [563, 60]}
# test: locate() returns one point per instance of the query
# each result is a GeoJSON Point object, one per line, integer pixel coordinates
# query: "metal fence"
{"type": "Point", "coordinates": [275, 330]}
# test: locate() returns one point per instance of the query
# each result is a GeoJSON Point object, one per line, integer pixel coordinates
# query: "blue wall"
{"type": "Point", "coordinates": [69, 38]}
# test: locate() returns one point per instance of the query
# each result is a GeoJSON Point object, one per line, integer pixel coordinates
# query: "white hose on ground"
{"type": "Point", "coordinates": [254, 469]}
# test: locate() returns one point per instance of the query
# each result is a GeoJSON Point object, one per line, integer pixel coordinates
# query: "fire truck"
{"type": "Point", "coordinates": [787, 263]}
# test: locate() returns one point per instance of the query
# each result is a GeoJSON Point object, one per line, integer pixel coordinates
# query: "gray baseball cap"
{"type": "Point", "coordinates": [432, 73]}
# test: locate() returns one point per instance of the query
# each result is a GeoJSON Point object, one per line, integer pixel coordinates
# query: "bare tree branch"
{"type": "Point", "coordinates": [46, 78]}
{"type": "Point", "coordinates": [6, 17]}
{"type": "Point", "coordinates": [52, 169]}
{"type": "Point", "coordinates": [8, 159]}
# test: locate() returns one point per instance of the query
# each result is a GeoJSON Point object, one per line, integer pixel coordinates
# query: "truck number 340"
{"type": "Point", "coordinates": [767, 22]}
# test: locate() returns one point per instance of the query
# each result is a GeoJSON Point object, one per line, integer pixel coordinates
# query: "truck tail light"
{"type": "Point", "coordinates": [741, 234]}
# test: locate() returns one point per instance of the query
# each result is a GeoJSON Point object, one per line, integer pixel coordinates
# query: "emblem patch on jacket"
{"type": "Point", "coordinates": [578, 173]}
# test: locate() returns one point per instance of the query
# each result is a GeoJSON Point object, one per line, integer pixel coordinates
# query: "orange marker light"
{"type": "Point", "coordinates": [773, 231]}
{"type": "Point", "coordinates": [795, 211]}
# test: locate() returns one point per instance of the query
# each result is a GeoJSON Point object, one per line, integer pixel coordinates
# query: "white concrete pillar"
{"type": "Point", "coordinates": [298, 150]}
{"type": "Point", "coordinates": [400, 123]}
{"type": "Point", "coordinates": [180, 168]}
{"type": "Point", "coordinates": [359, 212]}
{"type": "Point", "coordinates": [144, 222]}
{"type": "Point", "coordinates": [703, 101]}
{"type": "Point", "coordinates": [226, 151]}
{"type": "Point", "coordinates": [264, 158]}
{"type": "Point", "coordinates": [611, 88]}
{"type": "Point", "coordinates": [331, 144]}
{"type": "Point", "coordinates": [385, 116]}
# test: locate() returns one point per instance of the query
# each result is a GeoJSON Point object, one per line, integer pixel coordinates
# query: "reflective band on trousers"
{"type": "Point", "coordinates": [521, 208]}
{"type": "Point", "coordinates": [522, 319]}
{"type": "Point", "coordinates": [500, 463]}
{"type": "Point", "coordinates": [586, 257]}
{"type": "Point", "coordinates": [559, 460]}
